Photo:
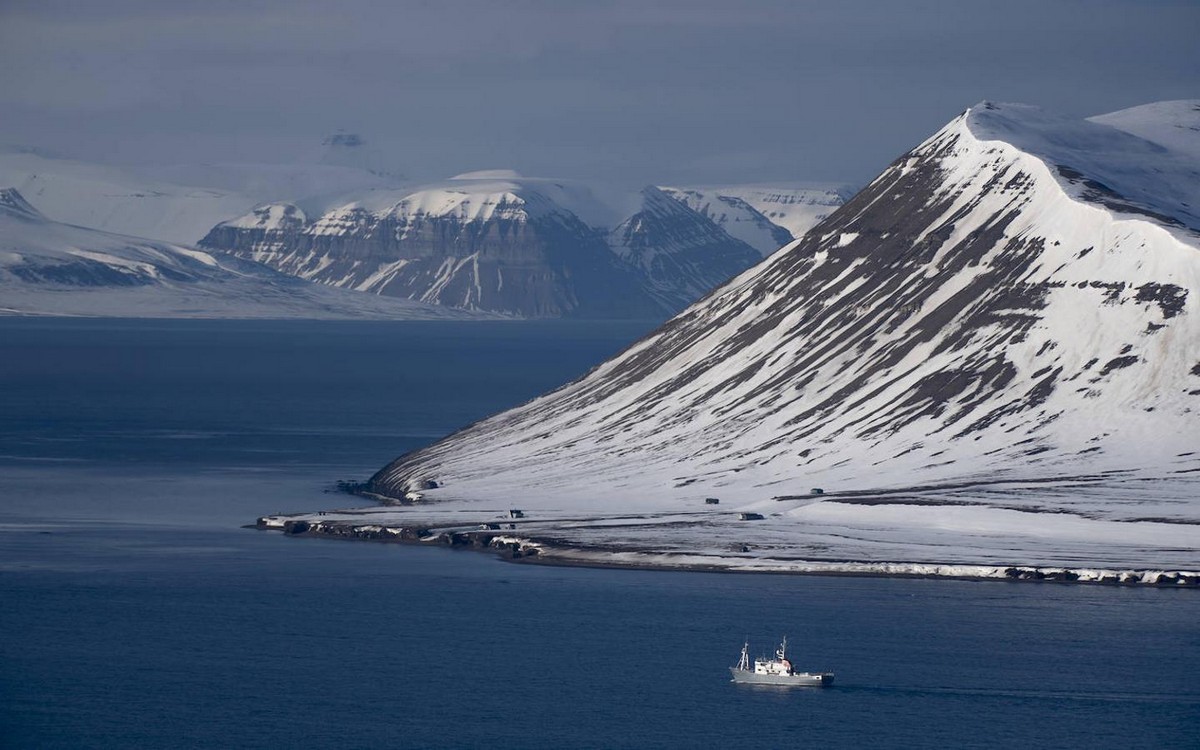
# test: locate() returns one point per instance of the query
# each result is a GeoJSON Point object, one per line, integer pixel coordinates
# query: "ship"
{"type": "Point", "coordinates": [777, 671]}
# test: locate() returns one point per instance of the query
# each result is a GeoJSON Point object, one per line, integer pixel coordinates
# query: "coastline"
{"type": "Point", "coordinates": [547, 551]}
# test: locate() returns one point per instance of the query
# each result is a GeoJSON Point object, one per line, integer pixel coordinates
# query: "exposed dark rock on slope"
{"type": "Point", "coordinates": [49, 268]}
{"type": "Point", "coordinates": [764, 216]}
{"type": "Point", "coordinates": [680, 254]}
{"type": "Point", "coordinates": [500, 243]}
{"type": "Point", "coordinates": [1002, 324]}
{"type": "Point", "coordinates": [971, 312]}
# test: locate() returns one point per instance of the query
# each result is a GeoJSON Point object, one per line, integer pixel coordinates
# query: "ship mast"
{"type": "Point", "coordinates": [744, 662]}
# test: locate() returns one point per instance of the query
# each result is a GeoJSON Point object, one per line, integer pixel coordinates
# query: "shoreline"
{"type": "Point", "coordinates": [533, 550]}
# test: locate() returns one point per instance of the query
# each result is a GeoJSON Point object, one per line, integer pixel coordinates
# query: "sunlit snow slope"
{"type": "Point", "coordinates": [990, 354]}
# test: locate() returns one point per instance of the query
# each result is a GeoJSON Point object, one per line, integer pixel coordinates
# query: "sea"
{"type": "Point", "coordinates": [138, 610]}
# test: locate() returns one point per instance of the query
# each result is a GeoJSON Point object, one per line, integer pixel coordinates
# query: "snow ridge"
{"type": "Point", "coordinates": [1003, 321]}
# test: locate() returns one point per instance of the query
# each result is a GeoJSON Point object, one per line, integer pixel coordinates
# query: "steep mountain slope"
{"type": "Point", "coordinates": [735, 216]}
{"type": "Point", "coordinates": [681, 254]}
{"type": "Point", "coordinates": [499, 242]}
{"type": "Point", "coordinates": [49, 268]}
{"type": "Point", "coordinates": [766, 217]}
{"type": "Point", "coordinates": [989, 355]}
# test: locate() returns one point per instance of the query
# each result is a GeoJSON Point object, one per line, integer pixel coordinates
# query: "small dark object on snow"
{"type": "Point", "coordinates": [751, 516]}
{"type": "Point", "coordinates": [818, 491]}
{"type": "Point", "coordinates": [514, 513]}
{"type": "Point", "coordinates": [712, 500]}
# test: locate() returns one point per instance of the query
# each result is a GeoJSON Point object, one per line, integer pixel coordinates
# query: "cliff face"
{"type": "Point", "coordinates": [511, 261]}
{"type": "Point", "coordinates": [680, 254]}
{"type": "Point", "coordinates": [511, 245]}
{"type": "Point", "coordinates": [50, 268]}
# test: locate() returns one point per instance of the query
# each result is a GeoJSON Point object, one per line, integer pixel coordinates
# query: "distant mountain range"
{"type": "Point", "coordinates": [990, 355]}
{"type": "Point", "coordinates": [488, 241]}
{"type": "Point", "coordinates": [531, 247]}
{"type": "Point", "coordinates": [177, 204]}
{"type": "Point", "coordinates": [764, 216]}
{"type": "Point", "coordinates": [51, 268]}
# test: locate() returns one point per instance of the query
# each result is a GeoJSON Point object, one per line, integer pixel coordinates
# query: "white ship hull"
{"type": "Point", "coordinates": [798, 679]}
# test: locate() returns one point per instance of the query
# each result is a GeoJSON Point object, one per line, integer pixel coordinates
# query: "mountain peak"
{"type": "Point", "coordinates": [350, 150]}
{"type": "Point", "coordinates": [1101, 162]}
{"type": "Point", "coordinates": [982, 337]}
{"type": "Point", "coordinates": [12, 203]}
{"type": "Point", "coordinates": [342, 139]}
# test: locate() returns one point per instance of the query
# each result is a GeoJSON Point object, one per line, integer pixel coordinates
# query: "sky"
{"type": "Point", "coordinates": [625, 92]}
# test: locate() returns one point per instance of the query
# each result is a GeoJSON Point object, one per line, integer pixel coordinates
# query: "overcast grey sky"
{"type": "Point", "coordinates": [636, 92]}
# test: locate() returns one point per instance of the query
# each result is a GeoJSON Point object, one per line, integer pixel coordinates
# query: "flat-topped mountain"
{"type": "Point", "coordinates": [341, 218]}
{"type": "Point", "coordinates": [51, 268]}
{"type": "Point", "coordinates": [499, 242]}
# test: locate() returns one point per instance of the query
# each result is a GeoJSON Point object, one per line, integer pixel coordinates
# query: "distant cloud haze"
{"type": "Point", "coordinates": [635, 92]}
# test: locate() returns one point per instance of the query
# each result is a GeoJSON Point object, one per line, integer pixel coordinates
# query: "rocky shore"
{"type": "Point", "coordinates": [504, 540]}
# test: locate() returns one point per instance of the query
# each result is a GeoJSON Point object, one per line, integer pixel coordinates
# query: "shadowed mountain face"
{"type": "Point", "coordinates": [544, 266]}
{"type": "Point", "coordinates": [50, 268]}
{"type": "Point", "coordinates": [1014, 299]}
{"type": "Point", "coordinates": [680, 254]}
{"type": "Point", "coordinates": [500, 244]}
{"type": "Point", "coordinates": [765, 216]}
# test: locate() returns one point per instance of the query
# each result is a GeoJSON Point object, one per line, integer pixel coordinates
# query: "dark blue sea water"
{"type": "Point", "coordinates": [136, 612]}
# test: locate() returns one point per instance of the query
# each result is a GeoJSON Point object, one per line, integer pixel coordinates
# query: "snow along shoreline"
{"type": "Point", "coordinates": [531, 549]}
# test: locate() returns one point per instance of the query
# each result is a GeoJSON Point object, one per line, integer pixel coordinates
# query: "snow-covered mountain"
{"type": "Point", "coordinates": [352, 150]}
{"type": "Point", "coordinates": [989, 356]}
{"type": "Point", "coordinates": [680, 253]}
{"type": "Point", "coordinates": [500, 242]}
{"type": "Point", "coordinates": [176, 203]}
{"type": "Point", "coordinates": [113, 200]}
{"type": "Point", "coordinates": [51, 268]}
{"type": "Point", "coordinates": [339, 202]}
{"type": "Point", "coordinates": [766, 217]}
{"type": "Point", "coordinates": [1174, 125]}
